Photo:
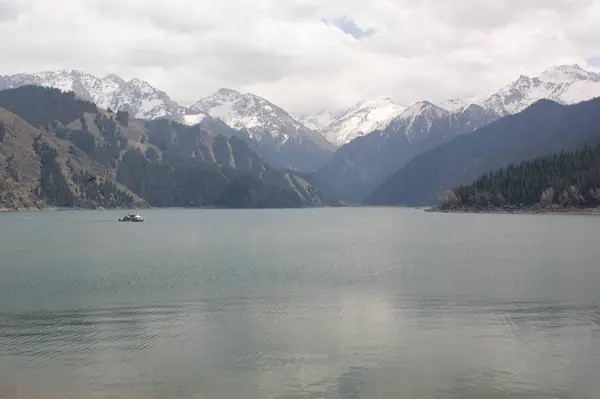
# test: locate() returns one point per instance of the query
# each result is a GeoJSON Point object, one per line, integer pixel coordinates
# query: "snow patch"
{"type": "Point", "coordinates": [191, 120]}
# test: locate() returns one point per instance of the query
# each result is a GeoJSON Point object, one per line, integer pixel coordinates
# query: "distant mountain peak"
{"type": "Point", "coordinates": [141, 99]}
{"type": "Point", "coordinates": [453, 105]}
{"type": "Point", "coordinates": [561, 74]}
{"type": "Point", "coordinates": [319, 120]}
{"type": "Point", "coordinates": [285, 140]}
{"type": "Point", "coordinates": [115, 78]}
{"type": "Point", "coordinates": [226, 91]}
{"type": "Point", "coordinates": [248, 111]}
{"type": "Point", "coordinates": [566, 68]}
{"type": "Point", "coordinates": [419, 107]}
{"type": "Point", "coordinates": [565, 84]}
{"type": "Point", "coordinates": [362, 118]}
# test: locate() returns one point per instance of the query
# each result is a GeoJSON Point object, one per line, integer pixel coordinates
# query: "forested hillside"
{"type": "Point", "coordinates": [566, 179]}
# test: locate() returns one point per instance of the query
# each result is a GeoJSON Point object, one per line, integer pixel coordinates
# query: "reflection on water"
{"type": "Point", "coordinates": [269, 319]}
{"type": "Point", "coordinates": [362, 347]}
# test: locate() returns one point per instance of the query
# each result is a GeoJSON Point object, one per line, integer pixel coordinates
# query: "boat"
{"type": "Point", "coordinates": [133, 217]}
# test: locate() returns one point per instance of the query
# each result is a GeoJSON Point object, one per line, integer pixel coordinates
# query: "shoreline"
{"type": "Point", "coordinates": [53, 208]}
{"type": "Point", "coordinates": [518, 210]}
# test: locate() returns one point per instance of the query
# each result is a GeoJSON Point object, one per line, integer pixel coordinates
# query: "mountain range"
{"type": "Point", "coordinates": [545, 127]}
{"type": "Point", "coordinates": [565, 84]}
{"type": "Point", "coordinates": [59, 150]}
{"type": "Point", "coordinates": [360, 166]}
{"type": "Point", "coordinates": [377, 138]}
{"type": "Point", "coordinates": [268, 129]}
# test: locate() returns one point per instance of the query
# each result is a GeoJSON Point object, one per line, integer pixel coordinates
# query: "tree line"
{"type": "Point", "coordinates": [565, 179]}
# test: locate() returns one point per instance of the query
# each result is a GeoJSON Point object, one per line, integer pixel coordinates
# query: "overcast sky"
{"type": "Point", "coordinates": [303, 54]}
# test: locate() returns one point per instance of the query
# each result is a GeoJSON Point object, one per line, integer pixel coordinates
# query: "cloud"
{"type": "Point", "coordinates": [406, 49]}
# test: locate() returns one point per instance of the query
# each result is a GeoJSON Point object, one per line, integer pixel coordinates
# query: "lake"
{"type": "Point", "coordinates": [309, 303]}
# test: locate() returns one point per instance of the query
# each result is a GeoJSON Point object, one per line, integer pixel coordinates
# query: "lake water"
{"type": "Point", "coordinates": [313, 303]}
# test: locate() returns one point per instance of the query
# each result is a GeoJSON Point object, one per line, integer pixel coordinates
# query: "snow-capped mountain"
{"type": "Point", "coordinates": [320, 120]}
{"type": "Point", "coordinates": [565, 84]}
{"type": "Point", "coordinates": [282, 139]}
{"type": "Point", "coordinates": [259, 117]}
{"type": "Point", "coordinates": [137, 96]}
{"type": "Point", "coordinates": [453, 105]}
{"type": "Point", "coordinates": [416, 121]}
{"type": "Point", "coordinates": [359, 166]}
{"type": "Point", "coordinates": [362, 118]}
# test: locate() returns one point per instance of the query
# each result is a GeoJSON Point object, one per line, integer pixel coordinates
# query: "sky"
{"type": "Point", "coordinates": [304, 55]}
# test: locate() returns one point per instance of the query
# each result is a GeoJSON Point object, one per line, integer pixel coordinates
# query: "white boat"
{"type": "Point", "coordinates": [133, 217]}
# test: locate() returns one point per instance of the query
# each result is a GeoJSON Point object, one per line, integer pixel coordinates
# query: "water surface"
{"type": "Point", "coordinates": [313, 303]}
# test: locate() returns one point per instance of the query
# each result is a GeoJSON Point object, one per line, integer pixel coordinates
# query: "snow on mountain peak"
{"type": "Point", "coordinates": [224, 91]}
{"type": "Point", "coordinates": [137, 96]}
{"type": "Point", "coordinates": [417, 120]}
{"type": "Point", "coordinates": [362, 118]}
{"type": "Point", "coordinates": [114, 78]}
{"type": "Point", "coordinates": [320, 120]}
{"type": "Point", "coordinates": [193, 119]}
{"type": "Point", "coordinates": [453, 105]}
{"type": "Point", "coordinates": [259, 117]}
{"type": "Point", "coordinates": [567, 74]}
{"type": "Point", "coordinates": [419, 108]}
{"type": "Point", "coordinates": [566, 84]}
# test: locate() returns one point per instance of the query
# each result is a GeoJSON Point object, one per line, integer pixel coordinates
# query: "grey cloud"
{"type": "Point", "coordinates": [11, 9]}
{"type": "Point", "coordinates": [487, 15]}
{"type": "Point", "coordinates": [146, 56]}
{"type": "Point", "coordinates": [247, 66]}
{"type": "Point", "coordinates": [162, 15]}
{"type": "Point", "coordinates": [302, 11]}
{"type": "Point", "coordinates": [178, 24]}
{"type": "Point", "coordinates": [422, 49]}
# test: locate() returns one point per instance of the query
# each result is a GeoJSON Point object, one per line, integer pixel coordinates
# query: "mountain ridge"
{"type": "Point", "coordinates": [281, 140]}
{"type": "Point", "coordinates": [81, 155]}
{"type": "Point", "coordinates": [285, 142]}
{"type": "Point", "coordinates": [359, 166]}
{"type": "Point", "coordinates": [566, 84]}
{"type": "Point", "coordinates": [541, 129]}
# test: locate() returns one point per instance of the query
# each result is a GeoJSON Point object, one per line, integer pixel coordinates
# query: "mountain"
{"type": "Point", "coordinates": [543, 128]}
{"type": "Point", "coordinates": [136, 96]}
{"type": "Point", "coordinates": [453, 105]}
{"type": "Point", "coordinates": [569, 179]}
{"type": "Point", "coordinates": [39, 170]}
{"type": "Point", "coordinates": [362, 118]}
{"type": "Point", "coordinates": [341, 127]}
{"type": "Point", "coordinates": [564, 84]}
{"type": "Point", "coordinates": [279, 138]}
{"type": "Point", "coordinates": [271, 131]}
{"type": "Point", "coordinates": [320, 120]}
{"type": "Point", "coordinates": [64, 151]}
{"type": "Point", "coordinates": [358, 167]}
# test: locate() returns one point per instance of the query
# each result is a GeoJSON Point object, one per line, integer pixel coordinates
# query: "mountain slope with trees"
{"type": "Point", "coordinates": [544, 128]}
{"type": "Point", "coordinates": [72, 153]}
{"type": "Point", "coordinates": [38, 170]}
{"type": "Point", "coordinates": [568, 179]}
